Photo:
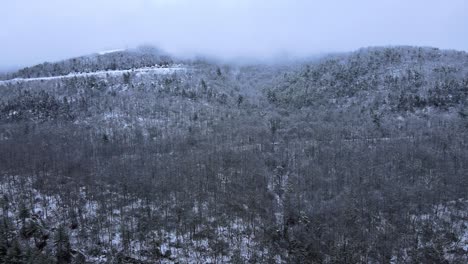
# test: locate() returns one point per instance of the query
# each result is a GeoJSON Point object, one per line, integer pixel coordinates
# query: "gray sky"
{"type": "Point", "coordinates": [34, 31]}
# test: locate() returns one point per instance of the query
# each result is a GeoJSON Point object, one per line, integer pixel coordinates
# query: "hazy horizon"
{"type": "Point", "coordinates": [53, 30]}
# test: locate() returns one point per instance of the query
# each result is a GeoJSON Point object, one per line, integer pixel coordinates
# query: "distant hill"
{"type": "Point", "coordinates": [115, 60]}
{"type": "Point", "coordinates": [396, 78]}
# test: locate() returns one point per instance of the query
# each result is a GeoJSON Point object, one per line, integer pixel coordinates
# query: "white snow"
{"type": "Point", "coordinates": [110, 51]}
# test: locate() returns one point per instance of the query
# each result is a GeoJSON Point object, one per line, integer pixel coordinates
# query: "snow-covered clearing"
{"type": "Point", "coordinates": [110, 51]}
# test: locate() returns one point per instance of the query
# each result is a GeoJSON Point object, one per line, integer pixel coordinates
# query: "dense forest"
{"type": "Point", "coordinates": [354, 157]}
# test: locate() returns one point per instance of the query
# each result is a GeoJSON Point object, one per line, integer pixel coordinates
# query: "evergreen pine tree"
{"type": "Point", "coordinates": [14, 254]}
{"type": "Point", "coordinates": [62, 244]}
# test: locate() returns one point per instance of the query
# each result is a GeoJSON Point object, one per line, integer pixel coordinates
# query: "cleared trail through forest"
{"type": "Point", "coordinates": [154, 70]}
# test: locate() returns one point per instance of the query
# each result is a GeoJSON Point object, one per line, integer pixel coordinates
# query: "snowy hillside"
{"type": "Point", "coordinates": [136, 157]}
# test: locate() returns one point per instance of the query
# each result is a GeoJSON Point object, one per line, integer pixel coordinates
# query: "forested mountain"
{"type": "Point", "coordinates": [357, 157]}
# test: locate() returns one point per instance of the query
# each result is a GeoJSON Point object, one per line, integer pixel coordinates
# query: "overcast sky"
{"type": "Point", "coordinates": [33, 31]}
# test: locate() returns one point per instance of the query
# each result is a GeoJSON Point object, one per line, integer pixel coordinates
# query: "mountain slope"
{"type": "Point", "coordinates": [356, 157]}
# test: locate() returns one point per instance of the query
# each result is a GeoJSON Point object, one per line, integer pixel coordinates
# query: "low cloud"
{"type": "Point", "coordinates": [35, 31]}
